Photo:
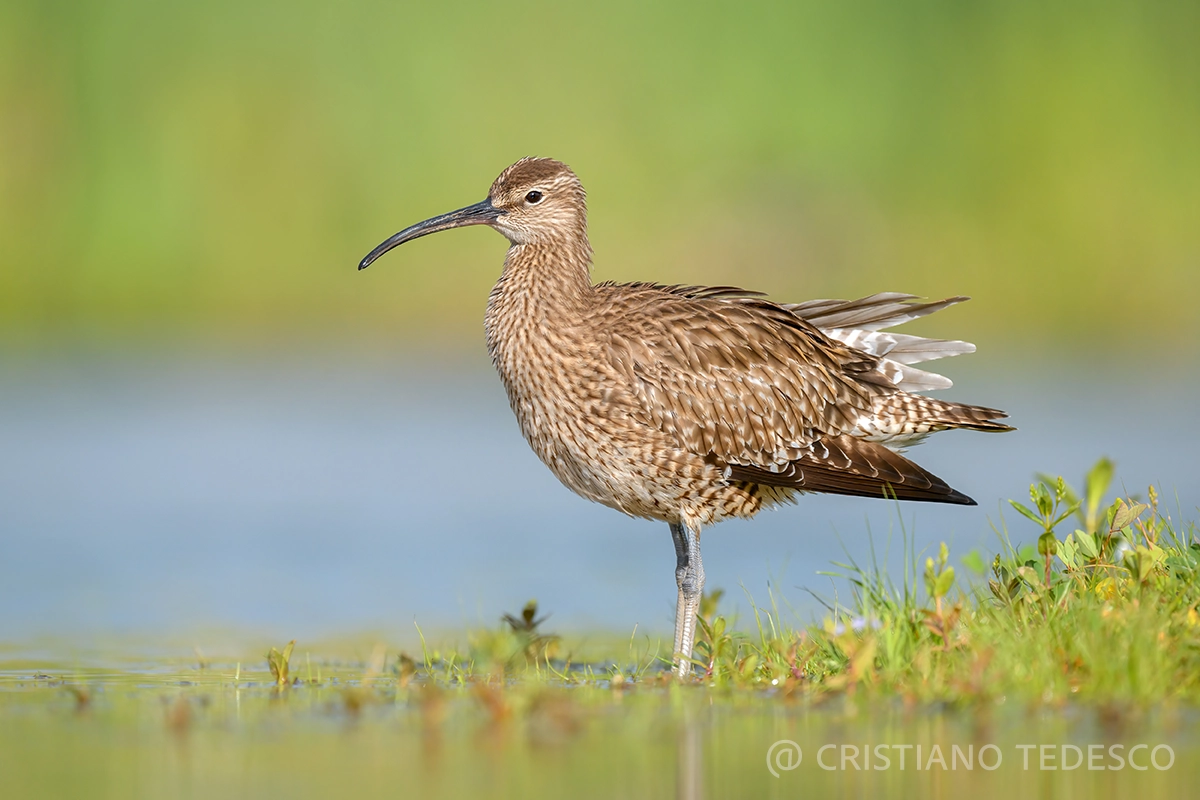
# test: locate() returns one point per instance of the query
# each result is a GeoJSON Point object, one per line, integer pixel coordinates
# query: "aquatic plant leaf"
{"type": "Point", "coordinates": [944, 582]}
{"type": "Point", "coordinates": [1096, 483]}
{"type": "Point", "coordinates": [1127, 514]}
{"type": "Point", "coordinates": [1026, 512]}
{"type": "Point", "coordinates": [974, 562]}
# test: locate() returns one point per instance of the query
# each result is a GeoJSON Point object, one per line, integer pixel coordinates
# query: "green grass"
{"type": "Point", "coordinates": [1089, 639]}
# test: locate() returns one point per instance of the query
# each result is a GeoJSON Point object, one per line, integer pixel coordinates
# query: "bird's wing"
{"type": "Point", "coordinates": [759, 391]}
{"type": "Point", "coordinates": [732, 377]}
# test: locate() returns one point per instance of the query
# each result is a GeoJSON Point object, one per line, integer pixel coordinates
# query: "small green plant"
{"type": "Point", "coordinates": [279, 664]}
{"type": "Point", "coordinates": [534, 643]}
{"type": "Point", "coordinates": [1116, 546]}
{"type": "Point", "coordinates": [719, 651]}
{"type": "Point", "coordinates": [939, 578]}
{"type": "Point", "coordinates": [1049, 499]}
{"type": "Point", "coordinates": [521, 642]}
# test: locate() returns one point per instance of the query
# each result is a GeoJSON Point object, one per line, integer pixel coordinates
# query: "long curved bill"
{"type": "Point", "coordinates": [481, 213]}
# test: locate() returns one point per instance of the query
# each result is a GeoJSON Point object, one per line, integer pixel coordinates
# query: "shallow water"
{"type": "Point", "coordinates": [189, 733]}
{"type": "Point", "coordinates": [326, 494]}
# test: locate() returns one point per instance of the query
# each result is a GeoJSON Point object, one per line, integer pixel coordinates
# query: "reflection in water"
{"type": "Point", "coordinates": [689, 781]}
{"type": "Point", "coordinates": [328, 495]}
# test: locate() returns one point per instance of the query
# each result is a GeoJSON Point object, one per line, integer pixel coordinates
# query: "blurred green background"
{"type": "Point", "coordinates": [213, 171]}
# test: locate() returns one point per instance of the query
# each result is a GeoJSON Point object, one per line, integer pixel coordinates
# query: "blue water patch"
{"type": "Point", "coordinates": [328, 494]}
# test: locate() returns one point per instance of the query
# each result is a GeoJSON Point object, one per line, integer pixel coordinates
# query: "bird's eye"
{"type": "Point", "coordinates": [533, 198]}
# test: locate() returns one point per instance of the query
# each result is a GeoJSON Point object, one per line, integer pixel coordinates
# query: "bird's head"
{"type": "Point", "coordinates": [534, 200]}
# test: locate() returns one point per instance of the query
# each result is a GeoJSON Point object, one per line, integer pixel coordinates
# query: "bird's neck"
{"type": "Point", "coordinates": [543, 292]}
{"type": "Point", "coordinates": [547, 278]}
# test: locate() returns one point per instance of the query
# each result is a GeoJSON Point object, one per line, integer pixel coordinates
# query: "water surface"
{"type": "Point", "coordinates": [331, 493]}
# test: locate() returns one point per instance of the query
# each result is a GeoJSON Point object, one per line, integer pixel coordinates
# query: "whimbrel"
{"type": "Point", "coordinates": [692, 404]}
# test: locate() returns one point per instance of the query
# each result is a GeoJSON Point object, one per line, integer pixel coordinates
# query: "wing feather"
{"type": "Point", "coordinates": [849, 466]}
{"type": "Point", "coordinates": [778, 394]}
{"type": "Point", "coordinates": [731, 376]}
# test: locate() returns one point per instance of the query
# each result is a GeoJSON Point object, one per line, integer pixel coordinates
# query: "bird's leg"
{"type": "Point", "coordinates": [689, 577]}
{"type": "Point", "coordinates": [680, 537]}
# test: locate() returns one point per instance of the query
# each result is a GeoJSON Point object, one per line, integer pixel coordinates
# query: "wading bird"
{"type": "Point", "coordinates": [692, 404]}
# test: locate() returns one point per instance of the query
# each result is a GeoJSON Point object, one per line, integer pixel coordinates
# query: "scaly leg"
{"type": "Point", "coordinates": [689, 577]}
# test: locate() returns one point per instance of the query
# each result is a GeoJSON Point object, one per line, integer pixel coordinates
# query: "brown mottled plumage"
{"type": "Point", "coordinates": [695, 404]}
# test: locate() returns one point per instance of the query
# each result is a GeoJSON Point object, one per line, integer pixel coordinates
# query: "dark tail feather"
{"type": "Point", "coordinates": [976, 418]}
{"type": "Point", "coordinates": [848, 466]}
